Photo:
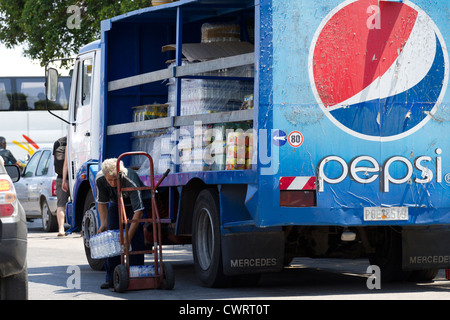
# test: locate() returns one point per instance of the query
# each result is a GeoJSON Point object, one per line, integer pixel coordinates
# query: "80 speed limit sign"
{"type": "Point", "coordinates": [295, 139]}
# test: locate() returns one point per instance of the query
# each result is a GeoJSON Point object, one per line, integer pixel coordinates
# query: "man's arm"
{"type": "Point", "coordinates": [13, 160]}
{"type": "Point", "coordinates": [103, 212]}
{"type": "Point", "coordinates": [134, 225]}
{"type": "Point", "coordinates": [19, 164]}
{"type": "Point", "coordinates": [102, 200]}
{"type": "Point", "coordinates": [65, 185]}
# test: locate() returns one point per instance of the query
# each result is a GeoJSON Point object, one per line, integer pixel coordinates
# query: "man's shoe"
{"type": "Point", "coordinates": [107, 285]}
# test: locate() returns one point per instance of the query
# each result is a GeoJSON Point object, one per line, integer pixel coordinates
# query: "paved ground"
{"type": "Point", "coordinates": [54, 263]}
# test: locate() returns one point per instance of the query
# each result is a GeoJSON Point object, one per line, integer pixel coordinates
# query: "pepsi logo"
{"type": "Point", "coordinates": [378, 69]}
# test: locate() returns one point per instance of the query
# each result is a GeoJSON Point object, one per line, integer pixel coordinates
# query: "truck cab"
{"type": "Point", "coordinates": [82, 139]}
{"type": "Point", "coordinates": [84, 110]}
{"type": "Point", "coordinates": [84, 142]}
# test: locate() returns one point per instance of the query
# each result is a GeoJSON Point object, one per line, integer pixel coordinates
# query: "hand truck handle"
{"type": "Point", "coordinates": [139, 153]}
{"type": "Point", "coordinates": [162, 178]}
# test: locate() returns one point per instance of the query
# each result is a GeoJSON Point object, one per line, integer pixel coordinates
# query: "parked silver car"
{"type": "Point", "coordinates": [13, 238]}
{"type": "Point", "coordinates": [36, 189]}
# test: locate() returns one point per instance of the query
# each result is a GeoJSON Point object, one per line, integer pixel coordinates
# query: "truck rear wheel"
{"type": "Point", "coordinates": [425, 275]}
{"type": "Point", "coordinates": [388, 256]}
{"type": "Point", "coordinates": [89, 227]}
{"type": "Point", "coordinates": [206, 240]}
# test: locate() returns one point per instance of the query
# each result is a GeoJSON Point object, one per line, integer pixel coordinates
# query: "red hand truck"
{"type": "Point", "coordinates": [163, 277]}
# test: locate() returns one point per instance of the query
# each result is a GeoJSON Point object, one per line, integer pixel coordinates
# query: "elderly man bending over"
{"type": "Point", "coordinates": [136, 203]}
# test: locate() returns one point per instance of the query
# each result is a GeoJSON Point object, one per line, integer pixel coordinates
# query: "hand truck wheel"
{"type": "Point", "coordinates": [121, 278]}
{"type": "Point", "coordinates": [168, 281]}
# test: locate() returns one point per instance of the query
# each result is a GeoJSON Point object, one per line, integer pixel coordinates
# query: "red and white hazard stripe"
{"type": "Point", "coordinates": [297, 183]}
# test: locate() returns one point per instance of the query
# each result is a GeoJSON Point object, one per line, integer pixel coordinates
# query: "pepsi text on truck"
{"type": "Point", "coordinates": [341, 151]}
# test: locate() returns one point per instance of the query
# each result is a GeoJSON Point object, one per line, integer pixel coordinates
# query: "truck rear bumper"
{"type": "Point", "coordinates": [417, 216]}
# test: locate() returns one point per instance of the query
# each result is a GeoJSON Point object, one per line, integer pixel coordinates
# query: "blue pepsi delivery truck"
{"type": "Point", "coordinates": [290, 128]}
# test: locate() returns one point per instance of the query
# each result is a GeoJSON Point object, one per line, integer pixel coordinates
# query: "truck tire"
{"type": "Point", "coordinates": [206, 240]}
{"type": "Point", "coordinates": [388, 256]}
{"type": "Point", "coordinates": [89, 227]}
{"type": "Point", "coordinates": [425, 275]}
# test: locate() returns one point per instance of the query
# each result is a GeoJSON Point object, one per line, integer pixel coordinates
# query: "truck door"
{"type": "Point", "coordinates": [79, 138]}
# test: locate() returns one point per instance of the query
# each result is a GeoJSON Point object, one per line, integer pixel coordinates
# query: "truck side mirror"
{"type": "Point", "coordinates": [52, 84]}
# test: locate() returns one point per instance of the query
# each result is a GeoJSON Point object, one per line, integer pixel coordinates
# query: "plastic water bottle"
{"type": "Point", "coordinates": [115, 242]}
{"type": "Point", "coordinates": [100, 245]}
{"type": "Point", "coordinates": [93, 247]}
{"type": "Point", "coordinates": [103, 244]}
{"type": "Point", "coordinates": [106, 243]}
{"type": "Point", "coordinates": [131, 273]}
{"type": "Point", "coordinates": [146, 271]}
{"type": "Point", "coordinates": [110, 244]}
{"type": "Point", "coordinates": [114, 238]}
{"type": "Point", "coordinates": [134, 271]}
{"type": "Point", "coordinates": [150, 270]}
{"type": "Point", "coordinates": [141, 271]}
{"type": "Point", "coordinates": [96, 246]}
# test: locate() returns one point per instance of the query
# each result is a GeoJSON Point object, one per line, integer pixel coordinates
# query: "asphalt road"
{"type": "Point", "coordinates": [58, 270]}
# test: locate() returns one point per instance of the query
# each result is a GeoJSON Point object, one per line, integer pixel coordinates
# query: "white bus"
{"type": "Point", "coordinates": [24, 120]}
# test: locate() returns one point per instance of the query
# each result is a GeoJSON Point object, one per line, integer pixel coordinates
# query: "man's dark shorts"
{"type": "Point", "coordinates": [61, 195]}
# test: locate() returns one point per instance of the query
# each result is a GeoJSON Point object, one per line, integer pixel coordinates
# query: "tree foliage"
{"type": "Point", "coordinates": [45, 27]}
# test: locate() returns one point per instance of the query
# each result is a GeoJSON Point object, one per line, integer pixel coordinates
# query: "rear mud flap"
{"type": "Point", "coordinates": [255, 252]}
{"type": "Point", "coordinates": [426, 248]}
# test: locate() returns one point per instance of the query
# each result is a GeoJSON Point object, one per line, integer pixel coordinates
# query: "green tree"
{"type": "Point", "coordinates": [42, 27]}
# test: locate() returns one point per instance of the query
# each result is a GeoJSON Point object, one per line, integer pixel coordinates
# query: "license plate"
{"type": "Point", "coordinates": [386, 214]}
